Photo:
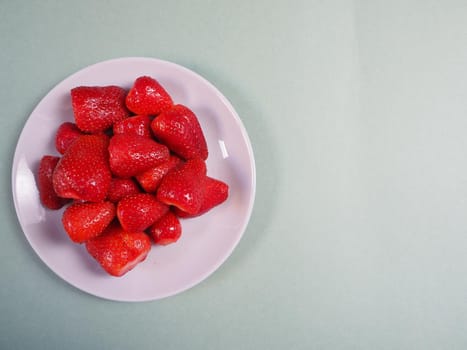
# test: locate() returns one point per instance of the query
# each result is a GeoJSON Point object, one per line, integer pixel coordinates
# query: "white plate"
{"type": "Point", "coordinates": [206, 241]}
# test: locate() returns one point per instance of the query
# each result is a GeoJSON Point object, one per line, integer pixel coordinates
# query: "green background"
{"type": "Point", "coordinates": [357, 114]}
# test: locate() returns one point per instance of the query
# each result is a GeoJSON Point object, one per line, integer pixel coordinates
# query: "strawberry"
{"type": "Point", "coordinates": [133, 154]}
{"type": "Point", "coordinates": [166, 230]}
{"type": "Point", "coordinates": [137, 125]}
{"type": "Point", "coordinates": [96, 108]}
{"type": "Point", "coordinates": [137, 212]}
{"type": "Point", "coordinates": [66, 134]}
{"type": "Point", "coordinates": [179, 129]}
{"type": "Point", "coordinates": [151, 178]}
{"type": "Point", "coordinates": [121, 187]}
{"type": "Point", "coordinates": [83, 172]}
{"type": "Point", "coordinates": [215, 193]}
{"type": "Point", "coordinates": [147, 96]}
{"type": "Point", "coordinates": [47, 194]}
{"type": "Point", "coordinates": [183, 187]}
{"type": "Point", "coordinates": [118, 251]}
{"type": "Point", "coordinates": [85, 220]}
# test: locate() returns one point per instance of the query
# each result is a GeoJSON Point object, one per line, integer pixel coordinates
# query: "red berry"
{"type": "Point", "coordinates": [183, 186]}
{"type": "Point", "coordinates": [66, 134]}
{"type": "Point", "coordinates": [47, 194]}
{"type": "Point", "coordinates": [139, 211]}
{"type": "Point", "coordinates": [151, 178]}
{"type": "Point", "coordinates": [147, 96]}
{"type": "Point", "coordinates": [83, 221]}
{"type": "Point", "coordinates": [133, 154]}
{"type": "Point", "coordinates": [83, 172]}
{"type": "Point", "coordinates": [215, 193]}
{"type": "Point", "coordinates": [120, 188]}
{"type": "Point", "coordinates": [179, 129]}
{"type": "Point", "coordinates": [136, 125]}
{"type": "Point", "coordinates": [96, 108]}
{"type": "Point", "coordinates": [166, 230]}
{"type": "Point", "coordinates": [119, 251]}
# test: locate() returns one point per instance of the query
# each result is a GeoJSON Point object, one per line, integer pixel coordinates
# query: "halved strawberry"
{"type": "Point", "coordinates": [66, 134]}
{"type": "Point", "coordinates": [118, 251]}
{"type": "Point", "coordinates": [96, 108]}
{"type": "Point", "coordinates": [83, 172]}
{"type": "Point", "coordinates": [136, 125]}
{"type": "Point", "coordinates": [83, 221]}
{"type": "Point", "coordinates": [148, 96]}
{"type": "Point", "coordinates": [139, 211]}
{"type": "Point", "coordinates": [166, 230]}
{"type": "Point", "coordinates": [183, 186]}
{"type": "Point", "coordinates": [151, 178]}
{"type": "Point", "coordinates": [179, 129]}
{"type": "Point", "coordinates": [47, 194]}
{"type": "Point", "coordinates": [133, 154]}
{"type": "Point", "coordinates": [215, 193]}
{"type": "Point", "coordinates": [120, 188]}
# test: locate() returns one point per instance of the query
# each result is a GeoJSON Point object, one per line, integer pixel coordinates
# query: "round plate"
{"type": "Point", "coordinates": [206, 241]}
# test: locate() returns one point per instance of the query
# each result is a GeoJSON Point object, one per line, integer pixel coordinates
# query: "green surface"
{"type": "Point", "coordinates": [357, 113]}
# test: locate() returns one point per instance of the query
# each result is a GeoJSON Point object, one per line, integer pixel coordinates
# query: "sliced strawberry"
{"type": "Point", "coordinates": [215, 193]}
{"type": "Point", "coordinates": [133, 154]}
{"type": "Point", "coordinates": [136, 125]}
{"type": "Point", "coordinates": [166, 230]}
{"type": "Point", "coordinates": [83, 172]}
{"type": "Point", "coordinates": [96, 108]}
{"type": "Point", "coordinates": [151, 178]}
{"type": "Point", "coordinates": [120, 188]}
{"type": "Point", "coordinates": [183, 186]}
{"type": "Point", "coordinates": [148, 96]}
{"type": "Point", "coordinates": [179, 129]}
{"type": "Point", "coordinates": [66, 134]}
{"type": "Point", "coordinates": [119, 251]}
{"type": "Point", "coordinates": [139, 211]}
{"type": "Point", "coordinates": [83, 221]}
{"type": "Point", "coordinates": [47, 194]}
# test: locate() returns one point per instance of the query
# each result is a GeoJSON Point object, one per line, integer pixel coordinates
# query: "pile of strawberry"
{"type": "Point", "coordinates": [131, 164]}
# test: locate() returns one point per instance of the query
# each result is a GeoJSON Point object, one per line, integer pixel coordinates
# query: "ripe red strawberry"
{"type": "Point", "coordinates": [66, 134]}
{"type": "Point", "coordinates": [139, 211]}
{"type": "Point", "coordinates": [83, 172]}
{"type": "Point", "coordinates": [166, 230]}
{"type": "Point", "coordinates": [121, 187]}
{"type": "Point", "coordinates": [133, 154]}
{"type": "Point", "coordinates": [151, 178]}
{"type": "Point", "coordinates": [47, 194]}
{"type": "Point", "coordinates": [215, 193]}
{"type": "Point", "coordinates": [183, 186]}
{"type": "Point", "coordinates": [179, 129]}
{"type": "Point", "coordinates": [147, 96]}
{"type": "Point", "coordinates": [85, 220]}
{"type": "Point", "coordinates": [119, 251]}
{"type": "Point", "coordinates": [136, 125]}
{"type": "Point", "coordinates": [96, 108]}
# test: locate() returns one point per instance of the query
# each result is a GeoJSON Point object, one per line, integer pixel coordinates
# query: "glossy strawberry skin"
{"type": "Point", "coordinates": [83, 172]}
{"type": "Point", "coordinates": [180, 130]}
{"type": "Point", "coordinates": [139, 211]}
{"type": "Point", "coordinates": [47, 194]}
{"type": "Point", "coordinates": [120, 188]}
{"type": "Point", "coordinates": [148, 96]}
{"type": "Point", "coordinates": [150, 179]}
{"type": "Point", "coordinates": [133, 154]}
{"type": "Point", "coordinates": [66, 134]}
{"type": "Point", "coordinates": [118, 251]}
{"type": "Point", "coordinates": [183, 186]}
{"type": "Point", "coordinates": [83, 221]}
{"type": "Point", "coordinates": [215, 193]}
{"type": "Point", "coordinates": [96, 108]}
{"type": "Point", "coordinates": [136, 125]}
{"type": "Point", "coordinates": [166, 230]}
